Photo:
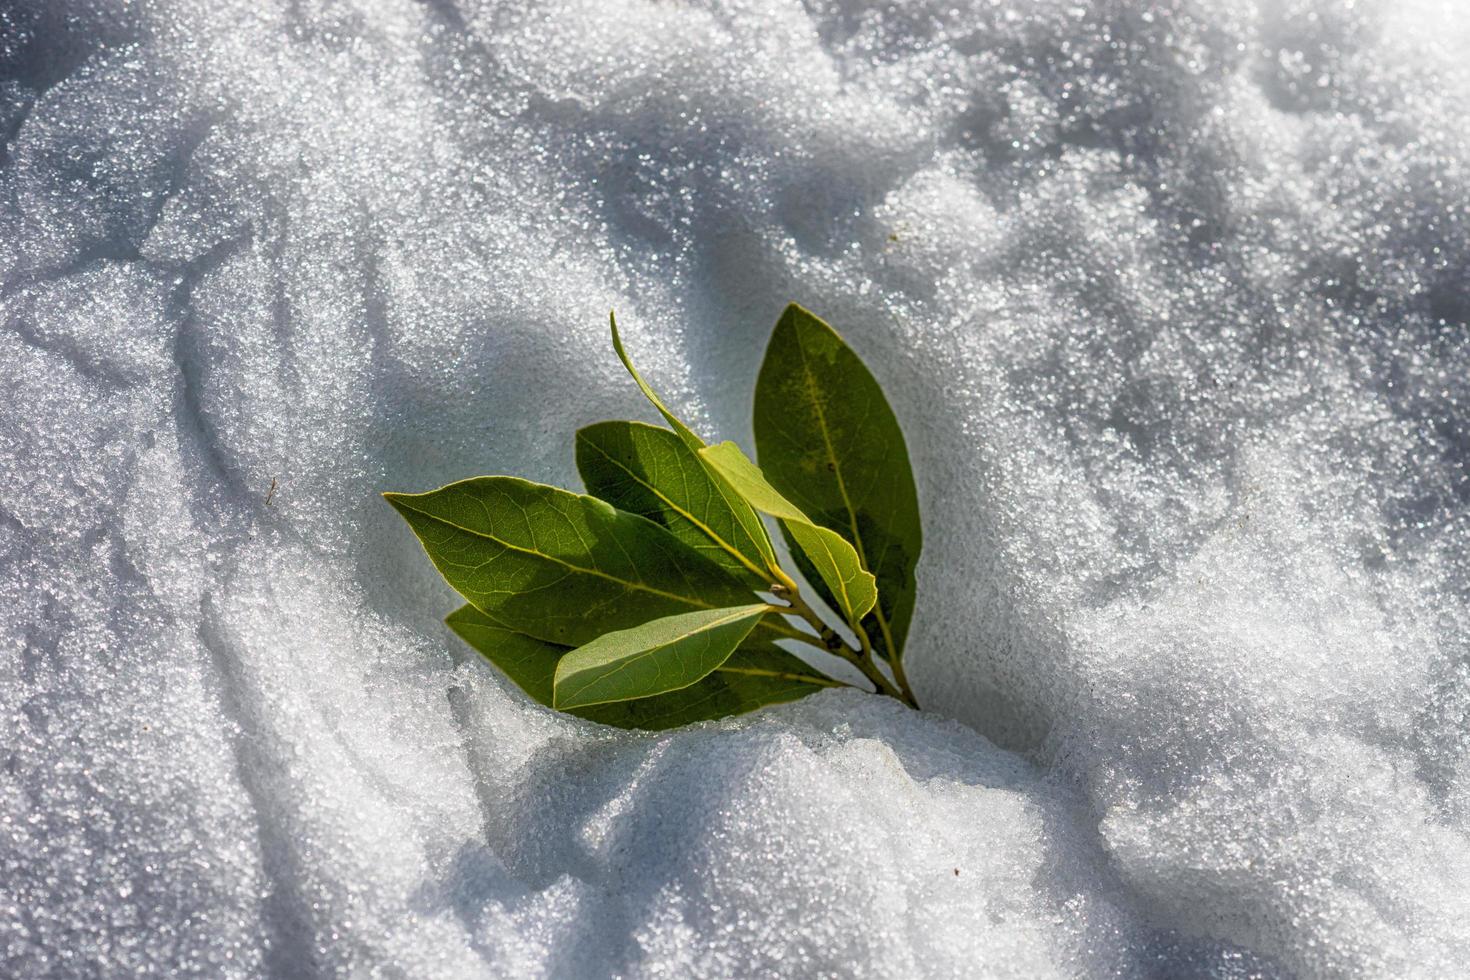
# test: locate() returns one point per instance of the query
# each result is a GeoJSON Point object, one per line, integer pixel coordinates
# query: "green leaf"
{"type": "Point", "coordinates": [649, 471]}
{"type": "Point", "coordinates": [527, 661]}
{"type": "Point", "coordinates": [836, 562]}
{"type": "Point", "coordinates": [560, 566]}
{"type": "Point", "coordinates": [757, 674]}
{"type": "Point", "coordinates": [686, 434]}
{"type": "Point", "coordinates": [828, 440]}
{"type": "Point", "coordinates": [751, 525]}
{"type": "Point", "coordinates": [654, 658]}
{"type": "Point", "coordinates": [753, 677]}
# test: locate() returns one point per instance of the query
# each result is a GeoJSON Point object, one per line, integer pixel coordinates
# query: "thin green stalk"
{"type": "Point", "coordinates": [896, 665]}
{"type": "Point", "coordinates": [868, 657]}
{"type": "Point", "coordinates": [863, 661]}
{"type": "Point", "coordinates": [832, 643]}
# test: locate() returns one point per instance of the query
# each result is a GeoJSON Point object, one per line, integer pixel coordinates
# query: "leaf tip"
{"type": "Point", "coordinates": [617, 342]}
{"type": "Point", "coordinates": [584, 434]}
{"type": "Point", "coordinates": [399, 502]}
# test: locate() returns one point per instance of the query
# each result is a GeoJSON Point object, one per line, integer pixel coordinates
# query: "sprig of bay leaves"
{"type": "Point", "coordinates": [657, 599]}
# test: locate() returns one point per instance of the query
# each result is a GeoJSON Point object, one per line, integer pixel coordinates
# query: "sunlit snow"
{"type": "Point", "coordinates": [1171, 299]}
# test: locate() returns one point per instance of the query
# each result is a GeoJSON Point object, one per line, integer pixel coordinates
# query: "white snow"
{"type": "Point", "coordinates": [1172, 301]}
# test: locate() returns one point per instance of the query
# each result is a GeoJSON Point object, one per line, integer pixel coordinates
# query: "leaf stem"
{"type": "Point", "coordinates": [886, 687]}
{"type": "Point", "coordinates": [781, 627]}
{"type": "Point", "coordinates": [834, 644]}
{"type": "Point", "coordinates": [863, 661]}
{"type": "Point", "coordinates": [896, 665]}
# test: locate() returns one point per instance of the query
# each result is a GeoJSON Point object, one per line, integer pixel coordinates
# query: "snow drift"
{"type": "Point", "coordinates": [1170, 297]}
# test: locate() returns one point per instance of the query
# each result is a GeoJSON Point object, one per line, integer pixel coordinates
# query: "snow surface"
{"type": "Point", "coordinates": [1171, 299]}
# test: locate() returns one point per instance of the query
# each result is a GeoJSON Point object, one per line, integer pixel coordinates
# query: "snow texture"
{"type": "Point", "coordinates": [1171, 299]}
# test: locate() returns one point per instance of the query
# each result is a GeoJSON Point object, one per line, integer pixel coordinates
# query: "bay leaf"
{"type": "Point", "coordinates": [827, 439]}
{"type": "Point", "coordinates": [754, 530]}
{"type": "Point", "coordinates": [649, 471]}
{"type": "Point", "coordinates": [757, 674]}
{"type": "Point", "coordinates": [836, 562]}
{"type": "Point", "coordinates": [560, 566]}
{"type": "Point", "coordinates": [653, 658]}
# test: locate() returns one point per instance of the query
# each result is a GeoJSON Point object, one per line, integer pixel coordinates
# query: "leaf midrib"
{"type": "Point", "coordinates": [650, 651]}
{"type": "Point", "coordinates": [598, 573]}
{"type": "Point", "coordinates": [857, 537]}
{"type": "Point", "coordinates": [780, 675]}
{"type": "Point", "coordinates": [715, 537]}
{"type": "Point", "coordinates": [690, 438]}
{"type": "Point", "coordinates": [811, 381]}
{"type": "Point", "coordinates": [842, 579]}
